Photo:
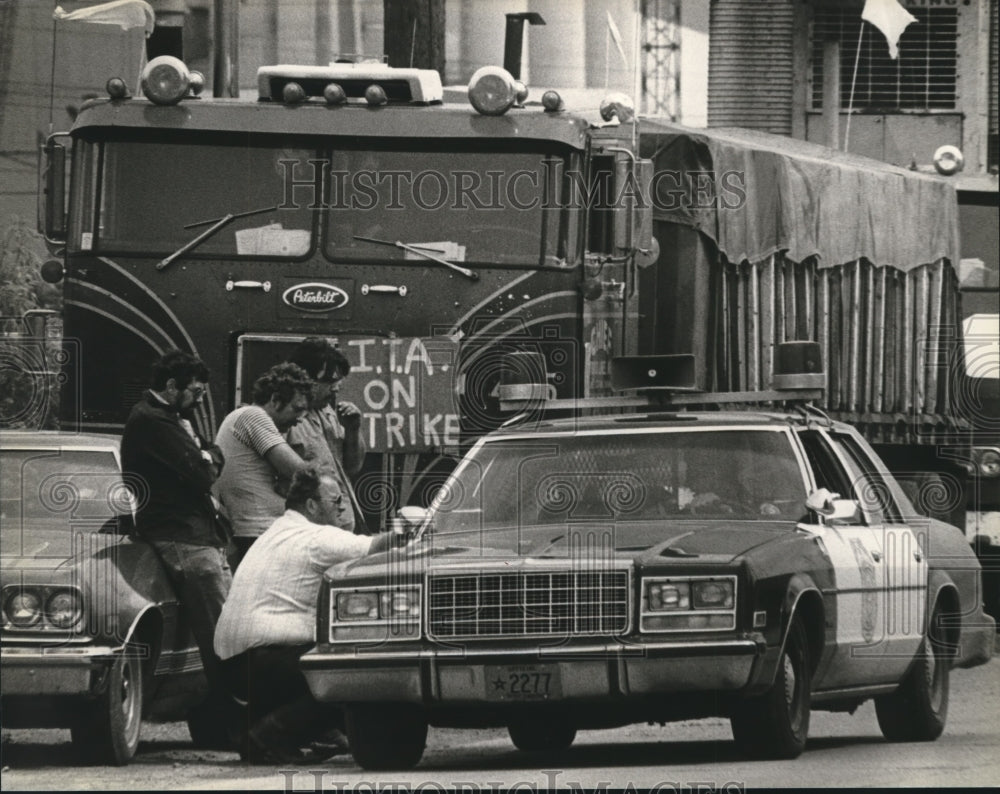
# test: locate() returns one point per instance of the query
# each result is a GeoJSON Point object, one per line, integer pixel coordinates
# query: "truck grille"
{"type": "Point", "coordinates": [529, 604]}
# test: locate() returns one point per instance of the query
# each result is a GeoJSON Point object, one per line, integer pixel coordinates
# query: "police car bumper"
{"type": "Point", "coordinates": [52, 671]}
{"type": "Point", "coordinates": [490, 676]}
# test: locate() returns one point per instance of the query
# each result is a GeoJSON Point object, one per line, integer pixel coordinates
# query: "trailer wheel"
{"type": "Point", "coordinates": [776, 724]}
{"type": "Point", "coordinates": [918, 710]}
{"type": "Point", "coordinates": [106, 731]}
{"type": "Point", "coordinates": [390, 736]}
{"type": "Point", "coordinates": [541, 735]}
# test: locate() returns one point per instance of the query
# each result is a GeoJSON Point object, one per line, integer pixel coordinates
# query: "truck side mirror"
{"type": "Point", "coordinates": [632, 180]}
{"type": "Point", "coordinates": [52, 190]}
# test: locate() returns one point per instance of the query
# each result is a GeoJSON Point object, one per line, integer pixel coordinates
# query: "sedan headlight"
{"type": "Point", "coordinates": [689, 603]}
{"type": "Point", "coordinates": [376, 613]}
{"type": "Point", "coordinates": [64, 609]}
{"type": "Point", "coordinates": [44, 607]}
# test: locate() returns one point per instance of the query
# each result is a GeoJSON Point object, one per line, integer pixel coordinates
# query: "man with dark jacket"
{"type": "Point", "coordinates": [171, 468]}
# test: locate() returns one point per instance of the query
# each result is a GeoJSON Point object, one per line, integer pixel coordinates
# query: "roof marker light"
{"type": "Point", "coordinates": [165, 80]}
{"type": "Point", "coordinates": [334, 94]}
{"type": "Point", "coordinates": [293, 93]}
{"type": "Point", "coordinates": [116, 88]}
{"type": "Point", "coordinates": [375, 95]}
{"type": "Point", "coordinates": [520, 93]}
{"type": "Point", "coordinates": [492, 91]}
{"type": "Point", "coordinates": [551, 101]}
{"type": "Point", "coordinates": [197, 82]}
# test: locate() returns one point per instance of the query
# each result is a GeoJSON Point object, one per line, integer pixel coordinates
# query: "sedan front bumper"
{"type": "Point", "coordinates": [467, 676]}
{"type": "Point", "coordinates": [64, 670]}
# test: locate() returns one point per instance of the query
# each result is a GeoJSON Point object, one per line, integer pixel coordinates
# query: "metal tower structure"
{"type": "Point", "coordinates": [659, 90]}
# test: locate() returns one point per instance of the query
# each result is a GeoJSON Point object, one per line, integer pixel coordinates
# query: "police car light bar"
{"type": "Point", "coordinates": [421, 86]}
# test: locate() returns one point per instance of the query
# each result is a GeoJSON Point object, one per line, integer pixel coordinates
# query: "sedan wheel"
{"type": "Point", "coordinates": [106, 731]}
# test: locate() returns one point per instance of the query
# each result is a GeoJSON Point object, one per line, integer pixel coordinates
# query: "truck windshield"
{"type": "Point", "coordinates": [481, 207]}
{"type": "Point", "coordinates": [513, 490]}
{"type": "Point", "coordinates": [152, 189]}
{"type": "Point", "coordinates": [478, 207]}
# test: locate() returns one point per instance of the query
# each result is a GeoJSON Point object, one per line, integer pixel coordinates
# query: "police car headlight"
{"type": "Point", "coordinates": [375, 614]}
{"type": "Point", "coordinates": [696, 603]}
{"type": "Point", "coordinates": [357, 606]}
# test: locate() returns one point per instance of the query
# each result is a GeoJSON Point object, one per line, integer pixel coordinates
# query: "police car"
{"type": "Point", "coordinates": [594, 572]}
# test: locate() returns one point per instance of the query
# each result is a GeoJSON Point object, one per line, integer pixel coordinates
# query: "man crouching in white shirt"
{"type": "Point", "coordinates": [269, 617]}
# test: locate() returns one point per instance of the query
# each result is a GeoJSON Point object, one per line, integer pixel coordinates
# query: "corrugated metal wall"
{"type": "Point", "coordinates": [750, 65]}
{"type": "Point", "coordinates": [889, 339]}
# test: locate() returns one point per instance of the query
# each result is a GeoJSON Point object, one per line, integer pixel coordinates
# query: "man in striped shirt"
{"type": "Point", "coordinates": [257, 454]}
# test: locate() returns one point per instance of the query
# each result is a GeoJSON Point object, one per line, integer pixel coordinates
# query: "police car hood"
{"type": "Point", "coordinates": [646, 542]}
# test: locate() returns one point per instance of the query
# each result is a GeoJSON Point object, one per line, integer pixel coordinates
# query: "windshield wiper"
{"type": "Point", "coordinates": [470, 274]}
{"type": "Point", "coordinates": [217, 223]}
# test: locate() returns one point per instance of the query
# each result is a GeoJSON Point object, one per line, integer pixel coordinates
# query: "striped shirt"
{"type": "Point", "coordinates": [273, 597]}
{"type": "Point", "coordinates": [246, 485]}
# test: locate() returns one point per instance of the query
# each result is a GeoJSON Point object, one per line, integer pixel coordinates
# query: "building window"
{"type": "Point", "coordinates": [923, 77]}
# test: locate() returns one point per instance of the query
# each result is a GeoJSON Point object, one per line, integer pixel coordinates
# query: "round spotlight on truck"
{"type": "Point", "coordinates": [334, 94]}
{"type": "Point", "coordinates": [492, 91]}
{"type": "Point", "coordinates": [375, 95]}
{"type": "Point", "coordinates": [293, 93]}
{"type": "Point", "coordinates": [618, 106]}
{"type": "Point", "coordinates": [948, 160]}
{"type": "Point", "coordinates": [116, 88]}
{"type": "Point", "coordinates": [165, 80]}
{"type": "Point", "coordinates": [551, 101]}
{"type": "Point", "coordinates": [196, 82]}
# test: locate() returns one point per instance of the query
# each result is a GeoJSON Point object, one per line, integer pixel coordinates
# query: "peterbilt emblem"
{"type": "Point", "coordinates": [315, 297]}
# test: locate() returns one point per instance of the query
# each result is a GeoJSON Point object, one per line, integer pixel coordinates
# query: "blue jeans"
{"type": "Point", "coordinates": [201, 577]}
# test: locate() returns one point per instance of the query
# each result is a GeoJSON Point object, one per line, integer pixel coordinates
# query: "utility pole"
{"type": "Point", "coordinates": [414, 33]}
{"type": "Point", "coordinates": [226, 76]}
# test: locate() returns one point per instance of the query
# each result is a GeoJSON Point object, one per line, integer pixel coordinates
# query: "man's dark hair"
{"type": "Point", "coordinates": [316, 354]}
{"type": "Point", "coordinates": [305, 485]}
{"type": "Point", "coordinates": [285, 380]}
{"type": "Point", "coordinates": [181, 366]}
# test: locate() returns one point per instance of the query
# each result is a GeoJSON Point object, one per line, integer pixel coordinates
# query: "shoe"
{"type": "Point", "coordinates": [262, 745]}
{"type": "Point", "coordinates": [331, 743]}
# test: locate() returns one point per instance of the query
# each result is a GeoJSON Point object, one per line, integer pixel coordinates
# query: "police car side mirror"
{"type": "Point", "coordinates": [834, 509]}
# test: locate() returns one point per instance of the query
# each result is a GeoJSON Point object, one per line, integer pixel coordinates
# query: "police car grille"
{"type": "Point", "coordinates": [529, 604]}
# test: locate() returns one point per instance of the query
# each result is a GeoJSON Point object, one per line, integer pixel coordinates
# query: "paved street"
{"type": "Point", "coordinates": [843, 750]}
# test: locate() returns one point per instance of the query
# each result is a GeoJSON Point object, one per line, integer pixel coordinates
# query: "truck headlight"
{"type": "Point", "coordinates": [689, 603]}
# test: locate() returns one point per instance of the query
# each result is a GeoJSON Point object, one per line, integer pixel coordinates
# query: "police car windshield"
{"type": "Point", "coordinates": [546, 483]}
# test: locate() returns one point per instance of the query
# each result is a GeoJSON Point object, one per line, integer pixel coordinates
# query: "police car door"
{"type": "Point", "coordinates": [904, 597]}
{"type": "Point", "coordinates": [853, 600]}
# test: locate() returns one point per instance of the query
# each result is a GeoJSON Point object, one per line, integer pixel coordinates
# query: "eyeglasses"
{"type": "Point", "coordinates": [337, 500]}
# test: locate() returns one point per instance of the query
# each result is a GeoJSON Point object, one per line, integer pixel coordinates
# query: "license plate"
{"type": "Point", "coordinates": [522, 682]}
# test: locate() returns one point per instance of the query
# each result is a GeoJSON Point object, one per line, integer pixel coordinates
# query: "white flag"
{"type": "Point", "coordinates": [616, 36]}
{"type": "Point", "coordinates": [889, 17]}
{"type": "Point", "coordinates": [127, 14]}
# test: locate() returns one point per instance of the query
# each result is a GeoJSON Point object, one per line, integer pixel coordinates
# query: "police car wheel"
{"type": "Point", "coordinates": [776, 724]}
{"type": "Point", "coordinates": [918, 710]}
{"type": "Point", "coordinates": [536, 736]}
{"type": "Point", "coordinates": [106, 731]}
{"type": "Point", "coordinates": [389, 736]}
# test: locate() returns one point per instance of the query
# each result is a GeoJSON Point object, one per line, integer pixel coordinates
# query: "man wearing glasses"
{"type": "Point", "coordinates": [171, 468]}
{"type": "Point", "coordinates": [269, 619]}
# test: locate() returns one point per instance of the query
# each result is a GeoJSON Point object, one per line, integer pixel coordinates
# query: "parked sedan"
{"type": "Point", "coordinates": [595, 572]}
{"type": "Point", "coordinates": [91, 637]}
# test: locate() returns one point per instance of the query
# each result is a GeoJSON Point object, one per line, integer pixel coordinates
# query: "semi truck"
{"type": "Point", "coordinates": [430, 239]}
